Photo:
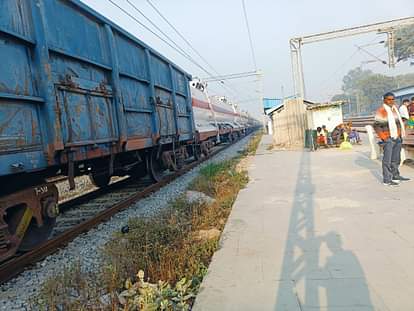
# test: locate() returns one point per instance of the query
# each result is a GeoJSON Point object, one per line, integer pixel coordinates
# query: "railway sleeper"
{"type": "Point", "coordinates": [72, 221]}
{"type": "Point", "coordinates": [80, 213]}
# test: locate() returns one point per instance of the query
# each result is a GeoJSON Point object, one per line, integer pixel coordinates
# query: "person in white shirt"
{"type": "Point", "coordinates": [404, 110]}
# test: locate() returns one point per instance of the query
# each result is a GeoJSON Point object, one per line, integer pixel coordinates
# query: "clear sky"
{"type": "Point", "coordinates": [217, 29]}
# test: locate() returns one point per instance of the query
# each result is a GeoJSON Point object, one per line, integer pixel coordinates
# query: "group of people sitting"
{"type": "Point", "coordinates": [407, 112]}
{"type": "Point", "coordinates": [342, 132]}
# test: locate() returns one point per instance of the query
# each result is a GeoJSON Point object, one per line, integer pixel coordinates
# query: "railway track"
{"type": "Point", "coordinates": [85, 212]}
{"type": "Point", "coordinates": [359, 123]}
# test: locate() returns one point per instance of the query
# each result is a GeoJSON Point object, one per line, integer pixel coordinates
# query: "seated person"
{"type": "Point", "coordinates": [354, 137]}
{"type": "Point", "coordinates": [320, 137]}
{"type": "Point", "coordinates": [348, 127]}
{"type": "Point", "coordinates": [410, 108]}
{"type": "Point", "coordinates": [338, 134]}
{"type": "Point", "coordinates": [328, 136]}
{"type": "Point", "coordinates": [405, 116]}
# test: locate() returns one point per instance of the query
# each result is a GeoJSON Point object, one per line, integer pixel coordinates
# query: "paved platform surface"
{"type": "Point", "coordinates": [315, 231]}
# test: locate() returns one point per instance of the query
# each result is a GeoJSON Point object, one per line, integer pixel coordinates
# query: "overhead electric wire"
{"type": "Point", "coordinates": [250, 35]}
{"type": "Point", "coordinates": [251, 42]}
{"type": "Point", "coordinates": [359, 48]}
{"type": "Point", "coordinates": [370, 54]}
{"type": "Point", "coordinates": [234, 74]}
{"type": "Point", "coordinates": [378, 63]}
{"type": "Point", "coordinates": [228, 87]}
{"type": "Point", "coordinates": [377, 60]}
{"type": "Point", "coordinates": [231, 76]}
{"type": "Point", "coordinates": [338, 69]}
{"type": "Point", "coordinates": [158, 28]}
{"type": "Point", "coordinates": [173, 45]}
{"type": "Point", "coordinates": [180, 35]}
{"type": "Point", "coordinates": [159, 37]}
{"type": "Point", "coordinates": [247, 100]}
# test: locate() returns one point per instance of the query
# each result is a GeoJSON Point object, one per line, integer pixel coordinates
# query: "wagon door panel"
{"type": "Point", "coordinates": [21, 144]}
{"type": "Point", "coordinates": [135, 99]}
{"type": "Point", "coordinates": [183, 105]}
{"type": "Point", "coordinates": [19, 127]}
{"type": "Point", "coordinates": [86, 117]}
{"type": "Point", "coordinates": [138, 113]}
{"type": "Point", "coordinates": [134, 92]}
{"type": "Point", "coordinates": [163, 97]}
{"type": "Point", "coordinates": [81, 68]}
{"type": "Point", "coordinates": [165, 112]}
{"type": "Point", "coordinates": [16, 80]}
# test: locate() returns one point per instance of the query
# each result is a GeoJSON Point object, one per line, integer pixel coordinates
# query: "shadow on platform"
{"type": "Point", "coordinates": [365, 162]}
{"type": "Point", "coordinates": [317, 272]}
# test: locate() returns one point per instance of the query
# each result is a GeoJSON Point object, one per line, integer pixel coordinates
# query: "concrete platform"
{"type": "Point", "coordinates": [315, 231]}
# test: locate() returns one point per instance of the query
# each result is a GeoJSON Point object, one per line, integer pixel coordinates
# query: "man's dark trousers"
{"type": "Point", "coordinates": [391, 159]}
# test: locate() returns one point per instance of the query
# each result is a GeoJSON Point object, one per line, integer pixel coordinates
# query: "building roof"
{"type": "Point", "coordinates": [311, 106]}
{"type": "Point", "coordinates": [404, 91]}
{"type": "Point", "coordinates": [269, 103]}
{"type": "Point", "coordinates": [271, 111]}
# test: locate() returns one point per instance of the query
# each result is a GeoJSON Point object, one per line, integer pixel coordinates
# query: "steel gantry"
{"type": "Point", "coordinates": [387, 28]}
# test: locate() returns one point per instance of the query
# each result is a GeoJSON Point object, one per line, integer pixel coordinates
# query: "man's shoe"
{"type": "Point", "coordinates": [391, 183]}
{"type": "Point", "coordinates": [400, 178]}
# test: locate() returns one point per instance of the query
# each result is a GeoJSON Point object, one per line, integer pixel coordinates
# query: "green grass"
{"type": "Point", "coordinates": [165, 247]}
{"type": "Point", "coordinates": [253, 144]}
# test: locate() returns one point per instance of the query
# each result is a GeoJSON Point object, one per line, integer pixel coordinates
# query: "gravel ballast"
{"type": "Point", "coordinates": [85, 249]}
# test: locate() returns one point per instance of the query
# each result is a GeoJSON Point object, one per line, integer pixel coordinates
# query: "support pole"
{"type": "Point", "coordinates": [391, 46]}
{"type": "Point", "coordinates": [297, 68]}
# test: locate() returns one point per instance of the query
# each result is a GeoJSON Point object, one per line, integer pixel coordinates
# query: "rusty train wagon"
{"type": "Point", "coordinates": [79, 95]}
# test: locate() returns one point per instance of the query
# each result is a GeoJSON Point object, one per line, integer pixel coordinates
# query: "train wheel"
{"type": "Point", "coordinates": [100, 180]}
{"type": "Point", "coordinates": [197, 152]}
{"type": "Point", "coordinates": [205, 148]}
{"type": "Point", "coordinates": [155, 167]}
{"type": "Point", "coordinates": [35, 234]}
{"type": "Point", "coordinates": [28, 218]}
{"type": "Point", "coordinates": [230, 138]}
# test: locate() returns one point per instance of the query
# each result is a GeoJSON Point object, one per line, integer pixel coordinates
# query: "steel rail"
{"type": "Point", "coordinates": [17, 265]}
{"type": "Point", "coordinates": [359, 123]}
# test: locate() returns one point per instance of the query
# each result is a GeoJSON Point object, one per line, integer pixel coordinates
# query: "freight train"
{"type": "Point", "coordinates": [79, 95]}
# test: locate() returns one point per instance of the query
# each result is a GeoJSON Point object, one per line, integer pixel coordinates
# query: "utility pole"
{"type": "Point", "coordinates": [297, 68]}
{"type": "Point", "coordinates": [391, 46]}
{"type": "Point", "coordinates": [358, 103]}
{"type": "Point", "coordinates": [261, 91]}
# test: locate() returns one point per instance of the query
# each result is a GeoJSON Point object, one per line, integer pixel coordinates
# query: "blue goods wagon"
{"type": "Point", "coordinates": [79, 95]}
